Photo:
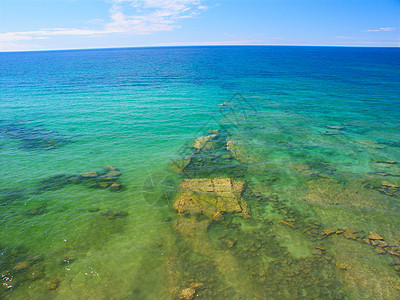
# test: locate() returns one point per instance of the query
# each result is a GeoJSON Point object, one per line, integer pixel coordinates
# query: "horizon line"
{"type": "Point", "coordinates": [191, 45]}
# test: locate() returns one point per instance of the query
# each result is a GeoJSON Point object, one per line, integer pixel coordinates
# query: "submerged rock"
{"type": "Point", "coordinates": [380, 250]}
{"type": "Point", "coordinates": [187, 294]}
{"type": "Point", "coordinates": [328, 232]}
{"type": "Point", "coordinates": [91, 174]}
{"type": "Point", "coordinates": [210, 196]}
{"type": "Point", "coordinates": [202, 141]}
{"type": "Point", "coordinates": [331, 132]}
{"type": "Point", "coordinates": [374, 236]}
{"type": "Point", "coordinates": [116, 187]}
{"type": "Point", "coordinates": [39, 210]}
{"type": "Point", "coordinates": [110, 168]}
{"type": "Point", "coordinates": [103, 185]}
{"type": "Point", "coordinates": [341, 266]}
{"type": "Point", "coordinates": [335, 127]}
{"type": "Point", "coordinates": [349, 233]}
{"type": "Point", "coordinates": [218, 217]}
{"type": "Point", "coordinates": [113, 173]}
{"type": "Point", "coordinates": [389, 162]}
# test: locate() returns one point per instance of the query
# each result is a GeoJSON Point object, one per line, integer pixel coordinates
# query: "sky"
{"type": "Point", "coordinates": [27, 25]}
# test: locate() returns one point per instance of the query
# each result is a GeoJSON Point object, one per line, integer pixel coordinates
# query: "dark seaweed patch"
{"type": "Point", "coordinates": [32, 138]}
{"type": "Point", "coordinates": [9, 196]}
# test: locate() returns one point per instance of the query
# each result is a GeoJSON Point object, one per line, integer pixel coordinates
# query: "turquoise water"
{"type": "Point", "coordinates": [312, 132]}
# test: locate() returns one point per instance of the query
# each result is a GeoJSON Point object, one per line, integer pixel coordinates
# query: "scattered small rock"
{"type": "Point", "coordinates": [380, 250]}
{"type": "Point", "coordinates": [328, 232]}
{"type": "Point", "coordinates": [349, 233]}
{"type": "Point", "coordinates": [230, 243]}
{"type": "Point", "coordinates": [113, 173]}
{"type": "Point", "coordinates": [103, 185]}
{"type": "Point", "coordinates": [341, 266]}
{"type": "Point", "coordinates": [196, 285]}
{"type": "Point", "coordinates": [110, 168]}
{"type": "Point", "coordinates": [218, 217]}
{"type": "Point", "coordinates": [187, 294]}
{"type": "Point", "coordinates": [291, 225]}
{"type": "Point", "coordinates": [394, 250]}
{"type": "Point", "coordinates": [379, 243]}
{"type": "Point", "coordinates": [374, 236]}
{"type": "Point", "coordinates": [115, 187]}
{"type": "Point", "coordinates": [91, 174]}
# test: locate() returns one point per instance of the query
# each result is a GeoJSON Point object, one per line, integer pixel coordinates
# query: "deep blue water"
{"type": "Point", "coordinates": [317, 127]}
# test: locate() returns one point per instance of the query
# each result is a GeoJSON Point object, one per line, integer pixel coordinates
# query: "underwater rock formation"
{"type": "Point", "coordinates": [107, 178]}
{"type": "Point", "coordinates": [210, 196]}
{"type": "Point", "coordinates": [202, 141]}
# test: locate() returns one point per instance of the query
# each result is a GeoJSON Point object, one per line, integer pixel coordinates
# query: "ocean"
{"type": "Point", "coordinates": [235, 172]}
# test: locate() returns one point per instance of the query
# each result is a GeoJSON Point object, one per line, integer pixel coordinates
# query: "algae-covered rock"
{"type": "Point", "coordinates": [110, 168]}
{"type": "Point", "coordinates": [218, 217]}
{"type": "Point", "coordinates": [236, 151]}
{"type": "Point", "coordinates": [116, 187]}
{"type": "Point", "coordinates": [113, 173]}
{"type": "Point", "coordinates": [328, 232]}
{"type": "Point", "coordinates": [202, 141]}
{"type": "Point", "coordinates": [187, 294]}
{"type": "Point", "coordinates": [209, 196]}
{"type": "Point", "coordinates": [91, 174]}
{"type": "Point", "coordinates": [374, 236]}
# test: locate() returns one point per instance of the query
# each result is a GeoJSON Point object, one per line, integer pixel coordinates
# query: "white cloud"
{"type": "Point", "coordinates": [46, 33]}
{"type": "Point", "coordinates": [147, 16]}
{"type": "Point", "coordinates": [381, 29]}
{"type": "Point", "coordinates": [152, 15]}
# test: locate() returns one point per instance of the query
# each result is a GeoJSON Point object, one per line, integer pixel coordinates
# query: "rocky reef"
{"type": "Point", "coordinates": [108, 178]}
{"type": "Point", "coordinates": [211, 197]}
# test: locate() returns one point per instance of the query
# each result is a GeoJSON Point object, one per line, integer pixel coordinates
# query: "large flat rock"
{"type": "Point", "coordinates": [209, 196]}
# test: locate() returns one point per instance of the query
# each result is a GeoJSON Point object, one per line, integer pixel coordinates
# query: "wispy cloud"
{"type": "Point", "coordinates": [151, 15]}
{"type": "Point", "coordinates": [46, 34]}
{"type": "Point", "coordinates": [381, 29]}
{"type": "Point", "coordinates": [127, 16]}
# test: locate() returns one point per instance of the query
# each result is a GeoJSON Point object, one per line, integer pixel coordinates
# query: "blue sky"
{"type": "Point", "coordinates": [79, 24]}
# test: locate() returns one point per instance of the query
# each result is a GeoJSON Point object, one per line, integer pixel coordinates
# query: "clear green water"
{"type": "Point", "coordinates": [141, 110]}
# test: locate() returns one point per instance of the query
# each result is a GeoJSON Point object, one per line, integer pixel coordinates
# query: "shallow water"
{"type": "Point", "coordinates": [312, 132]}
